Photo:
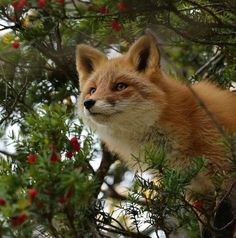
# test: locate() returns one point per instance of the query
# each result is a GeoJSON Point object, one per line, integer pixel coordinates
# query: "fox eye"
{"type": "Point", "coordinates": [92, 90]}
{"type": "Point", "coordinates": [121, 86]}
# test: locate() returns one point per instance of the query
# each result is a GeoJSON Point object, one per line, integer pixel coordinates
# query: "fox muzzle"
{"type": "Point", "coordinates": [89, 103]}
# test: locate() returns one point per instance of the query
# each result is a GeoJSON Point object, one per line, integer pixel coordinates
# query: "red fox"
{"type": "Point", "coordinates": [129, 101]}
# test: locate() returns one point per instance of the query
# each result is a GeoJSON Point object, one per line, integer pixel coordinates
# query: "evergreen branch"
{"type": "Point", "coordinates": [200, 41]}
{"type": "Point", "coordinates": [191, 21]}
{"type": "Point", "coordinates": [206, 9]}
{"type": "Point", "coordinates": [206, 6]}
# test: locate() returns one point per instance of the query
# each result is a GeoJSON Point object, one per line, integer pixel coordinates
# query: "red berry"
{"type": "Point", "coordinates": [62, 199]}
{"type": "Point", "coordinates": [18, 5]}
{"type": "Point", "coordinates": [69, 194]}
{"type": "Point", "coordinates": [115, 25]}
{"type": "Point", "coordinates": [2, 202]}
{"type": "Point", "coordinates": [104, 10]}
{"type": "Point", "coordinates": [75, 144]}
{"type": "Point", "coordinates": [69, 154]}
{"type": "Point", "coordinates": [54, 158]}
{"type": "Point", "coordinates": [15, 222]}
{"type": "Point", "coordinates": [76, 147]}
{"type": "Point", "coordinates": [22, 217]}
{"type": "Point", "coordinates": [73, 141]}
{"type": "Point", "coordinates": [41, 3]}
{"type": "Point", "coordinates": [62, 2]}
{"type": "Point", "coordinates": [31, 159]}
{"type": "Point", "coordinates": [39, 205]}
{"type": "Point", "coordinates": [32, 193]}
{"type": "Point", "coordinates": [198, 205]}
{"type": "Point", "coordinates": [121, 6]}
{"type": "Point", "coordinates": [15, 45]}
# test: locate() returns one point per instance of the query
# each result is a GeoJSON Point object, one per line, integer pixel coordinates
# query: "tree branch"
{"type": "Point", "coordinates": [17, 98]}
{"type": "Point", "coordinates": [107, 160]}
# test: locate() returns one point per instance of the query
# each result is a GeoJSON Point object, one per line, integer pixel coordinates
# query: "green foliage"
{"type": "Point", "coordinates": [64, 186]}
{"type": "Point", "coordinates": [38, 90]}
{"type": "Point", "coordinates": [162, 200]}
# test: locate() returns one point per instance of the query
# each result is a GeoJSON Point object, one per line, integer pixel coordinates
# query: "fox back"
{"type": "Point", "coordinates": [130, 102]}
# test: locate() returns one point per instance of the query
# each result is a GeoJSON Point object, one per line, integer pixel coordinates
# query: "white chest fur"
{"type": "Point", "coordinates": [129, 140]}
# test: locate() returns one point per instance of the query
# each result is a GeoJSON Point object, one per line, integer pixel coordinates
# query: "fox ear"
{"type": "Point", "coordinates": [144, 54]}
{"type": "Point", "coordinates": [87, 60]}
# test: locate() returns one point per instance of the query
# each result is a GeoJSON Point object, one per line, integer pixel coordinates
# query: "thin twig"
{"type": "Point", "coordinates": [227, 194]}
{"type": "Point", "coordinates": [203, 68]}
{"type": "Point", "coordinates": [10, 111]}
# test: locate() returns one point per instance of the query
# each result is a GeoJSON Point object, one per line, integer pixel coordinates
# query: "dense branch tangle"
{"type": "Point", "coordinates": [205, 23]}
{"type": "Point", "coordinates": [201, 22]}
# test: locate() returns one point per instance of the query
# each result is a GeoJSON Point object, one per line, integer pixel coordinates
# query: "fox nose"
{"type": "Point", "coordinates": [89, 103]}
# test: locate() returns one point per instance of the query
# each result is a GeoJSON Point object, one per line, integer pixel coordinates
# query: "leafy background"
{"type": "Point", "coordinates": [57, 181]}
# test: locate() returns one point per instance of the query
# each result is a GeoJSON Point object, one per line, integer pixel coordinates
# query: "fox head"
{"type": "Point", "coordinates": [120, 92]}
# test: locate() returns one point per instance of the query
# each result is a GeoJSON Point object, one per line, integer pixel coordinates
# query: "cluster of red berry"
{"type": "Point", "coordinates": [23, 216]}
{"type": "Point", "coordinates": [2, 202]}
{"type": "Point", "coordinates": [18, 5]}
{"type": "Point", "coordinates": [74, 146]}
{"type": "Point", "coordinates": [65, 197]}
{"type": "Point", "coordinates": [18, 220]}
{"type": "Point", "coordinates": [198, 205]}
{"type": "Point", "coordinates": [15, 44]}
{"type": "Point", "coordinates": [104, 10]}
{"type": "Point", "coordinates": [42, 3]}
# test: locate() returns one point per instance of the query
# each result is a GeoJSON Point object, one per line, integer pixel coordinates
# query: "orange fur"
{"type": "Point", "coordinates": [179, 115]}
{"type": "Point", "coordinates": [152, 108]}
